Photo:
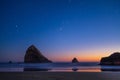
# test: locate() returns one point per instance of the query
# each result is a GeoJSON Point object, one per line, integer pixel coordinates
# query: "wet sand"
{"type": "Point", "coordinates": [36, 75]}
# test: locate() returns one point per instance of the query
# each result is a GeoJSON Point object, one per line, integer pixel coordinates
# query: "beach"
{"type": "Point", "coordinates": [37, 75]}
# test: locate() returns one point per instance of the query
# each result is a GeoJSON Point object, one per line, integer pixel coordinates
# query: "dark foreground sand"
{"type": "Point", "coordinates": [59, 75]}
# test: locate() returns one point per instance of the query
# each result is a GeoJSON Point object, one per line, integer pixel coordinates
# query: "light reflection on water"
{"type": "Point", "coordinates": [56, 67]}
{"type": "Point", "coordinates": [11, 69]}
{"type": "Point", "coordinates": [52, 70]}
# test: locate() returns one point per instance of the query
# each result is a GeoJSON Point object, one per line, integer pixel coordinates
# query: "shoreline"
{"type": "Point", "coordinates": [37, 75]}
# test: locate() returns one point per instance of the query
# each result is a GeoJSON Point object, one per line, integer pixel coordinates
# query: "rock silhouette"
{"type": "Point", "coordinates": [33, 55]}
{"type": "Point", "coordinates": [75, 69]}
{"type": "Point", "coordinates": [75, 60]}
{"type": "Point", "coordinates": [10, 62]}
{"type": "Point", "coordinates": [113, 59]}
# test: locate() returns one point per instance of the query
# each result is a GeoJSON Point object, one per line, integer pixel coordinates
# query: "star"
{"type": "Point", "coordinates": [16, 26]}
{"type": "Point", "coordinates": [61, 29]}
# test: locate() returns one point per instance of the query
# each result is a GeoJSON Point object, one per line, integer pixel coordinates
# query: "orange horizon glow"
{"type": "Point", "coordinates": [90, 59]}
{"type": "Point", "coordinates": [86, 57]}
{"type": "Point", "coordinates": [79, 58]}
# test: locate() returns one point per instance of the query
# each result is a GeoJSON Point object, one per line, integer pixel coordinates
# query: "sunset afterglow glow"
{"type": "Point", "coordinates": [60, 29]}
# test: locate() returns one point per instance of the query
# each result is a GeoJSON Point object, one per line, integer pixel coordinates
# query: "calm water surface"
{"type": "Point", "coordinates": [57, 67]}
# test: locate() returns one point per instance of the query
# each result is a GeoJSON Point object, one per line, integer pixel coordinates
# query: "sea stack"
{"type": "Point", "coordinates": [75, 60]}
{"type": "Point", "coordinates": [33, 55]}
{"type": "Point", "coordinates": [113, 59]}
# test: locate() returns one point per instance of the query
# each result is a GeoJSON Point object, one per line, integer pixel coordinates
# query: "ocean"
{"type": "Point", "coordinates": [57, 67]}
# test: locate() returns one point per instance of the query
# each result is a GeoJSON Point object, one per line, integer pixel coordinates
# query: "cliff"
{"type": "Point", "coordinates": [75, 60]}
{"type": "Point", "coordinates": [33, 55]}
{"type": "Point", "coordinates": [113, 59]}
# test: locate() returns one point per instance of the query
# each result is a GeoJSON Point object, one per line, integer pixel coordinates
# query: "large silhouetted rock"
{"type": "Point", "coordinates": [75, 60]}
{"type": "Point", "coordinates": [33, 55]}
{"type": "Point", "coordinates": [113, 59]}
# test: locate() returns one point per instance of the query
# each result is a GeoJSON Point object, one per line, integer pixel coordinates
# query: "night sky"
{"type": "Point", "coordinates": [60, 29]}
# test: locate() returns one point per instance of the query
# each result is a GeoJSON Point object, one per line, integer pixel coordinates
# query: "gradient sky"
{"type": "Point", "coordinates": [60, 29]}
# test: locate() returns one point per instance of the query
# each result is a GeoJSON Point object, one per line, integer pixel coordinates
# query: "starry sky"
{"type": "Point", "coordinates": [60, 29]}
